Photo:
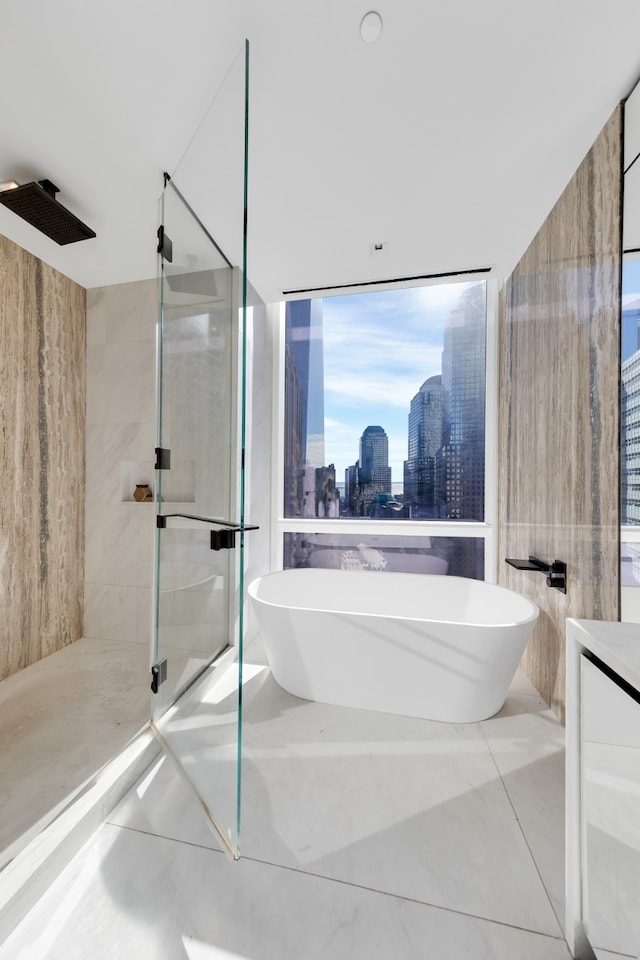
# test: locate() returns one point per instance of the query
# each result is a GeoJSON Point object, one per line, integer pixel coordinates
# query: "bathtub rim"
{"type": "Point", "coordinates": [532, 618]}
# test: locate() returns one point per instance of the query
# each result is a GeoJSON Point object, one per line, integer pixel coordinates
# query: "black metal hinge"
{"type": "Point", "coordinates": [165, 246]}
{"type": "Point", "coordinates": [158, 674]}
{"type": "Point", "coordinates": [163, 458]}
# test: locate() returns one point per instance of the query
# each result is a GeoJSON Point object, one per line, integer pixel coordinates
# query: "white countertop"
{"type": "Point", "coordinates": [616, 644]}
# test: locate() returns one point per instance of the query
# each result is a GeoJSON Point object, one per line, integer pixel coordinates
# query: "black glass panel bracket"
{"type": "Point", "coordinates": [163, 458]}
{"type": "Point", "coordinates": [165, 246]}
{"type": "Point", "coordinates": [158, 674]}
{"type": "Point", "coordinates": [556, 572]}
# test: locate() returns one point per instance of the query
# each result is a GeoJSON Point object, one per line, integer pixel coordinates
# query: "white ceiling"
{"type": "Point", "coordinates": [449, 139]}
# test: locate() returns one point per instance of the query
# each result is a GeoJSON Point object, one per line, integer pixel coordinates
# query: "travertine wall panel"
{"type": "Point", "coordinates": [559, 410]}
{"type": "Point", "coordinates": [42, 396]}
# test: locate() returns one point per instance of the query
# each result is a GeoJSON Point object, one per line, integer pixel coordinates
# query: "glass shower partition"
{"type": "Point", "coordinates": [200, 524]}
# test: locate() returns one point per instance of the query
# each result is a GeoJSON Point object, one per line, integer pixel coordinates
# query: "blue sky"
{"type": "Point", "coordinates": [379, 348]}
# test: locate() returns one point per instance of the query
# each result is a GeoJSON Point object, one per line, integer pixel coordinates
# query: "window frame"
{"type": "Point", "coordinates": [412, 528]}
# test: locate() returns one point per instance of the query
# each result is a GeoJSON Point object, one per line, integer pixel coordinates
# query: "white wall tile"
{"type": "Point", "coordinates": [145, 535]}
{"type": "Point", "coordinates": [119, 613]}
{"type": "Point", "coordinates": [121, 441]}
{"type": "Point", "coordinates": [130, 311]}
{"type": "Point", "coordinates": [93, 609]}
{"type": "Point", "coordinates": [96, 315]}
{"type": "Point", "coordinates": [122, 391]}
{"type": "Point", "coordinates": [93, 549]}
{"type": "Point", "coordinates": [94, 463]}
{"type": "Point", "coordinates": [95, 384]}
{"type": "Point", "coordinates": [144, 616]}
{"type": "Point", "coordinates": [147, 379]}
{"type": "Point", "coordinates": [120, 546]}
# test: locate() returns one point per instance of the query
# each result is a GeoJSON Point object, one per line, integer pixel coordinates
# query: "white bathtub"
{"type": "Point", "coordinates": [437, 647]}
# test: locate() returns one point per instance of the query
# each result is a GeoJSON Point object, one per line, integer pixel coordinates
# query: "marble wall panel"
{"type": "Point", "coordinates": [120, 453]}
{"type": "Point", "coordinates": [559, 410]}
{"type": "Point", "coordinates": [42, 459]}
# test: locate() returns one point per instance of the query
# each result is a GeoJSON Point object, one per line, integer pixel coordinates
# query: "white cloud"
{"type": "Point", "coordinates": [379, 348]}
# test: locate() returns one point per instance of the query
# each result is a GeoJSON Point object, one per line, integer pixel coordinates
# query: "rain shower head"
{"type": "Point", "coordinates": [36, 203]}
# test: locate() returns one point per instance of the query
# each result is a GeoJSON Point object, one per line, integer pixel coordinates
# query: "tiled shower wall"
{"type": "Point", "coordinates": [120, 452]}
{"type": "Point", "coordinates": [42, 389]}
{"type": "Point", "coordinates": [559, 410]}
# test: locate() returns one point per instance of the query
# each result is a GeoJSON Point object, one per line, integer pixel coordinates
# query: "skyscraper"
{"type": "Point", "coordinates": [351, 487]}
{"type": "Point", "coordinates": [459, 467]}
{"type": "Point", "coordinates": [304, 403]}
{"type": "Point", "coordinates": [630, 440]}
{"type": "Point", "coordinates": [630, 416]}
{"type": "Point", "coordinates": [425, 439]}
{"type": "Point", "coordinates": [374, 473]}
{"type": "Point", "coordinates": [293, 442]}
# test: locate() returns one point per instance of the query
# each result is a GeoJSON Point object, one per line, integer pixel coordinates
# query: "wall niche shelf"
{"type": "Point", "coordinates": [178, 483]}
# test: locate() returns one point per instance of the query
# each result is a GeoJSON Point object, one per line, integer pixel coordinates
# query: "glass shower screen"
{"type": "Point", "coordinates": [199, 493]}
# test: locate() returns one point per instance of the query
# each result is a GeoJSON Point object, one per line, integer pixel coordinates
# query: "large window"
{"type": "Point", "coordinates": [630, 437]}
{"type": "Point", "coordinates": [384, 413]}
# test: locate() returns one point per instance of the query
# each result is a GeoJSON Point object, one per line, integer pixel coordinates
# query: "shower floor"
{"type": "Point", "coordinates": [61, 719]}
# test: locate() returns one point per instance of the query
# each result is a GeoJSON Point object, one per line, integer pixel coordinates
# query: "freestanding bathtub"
{"type": "Point", "coordinates": [437, 647]}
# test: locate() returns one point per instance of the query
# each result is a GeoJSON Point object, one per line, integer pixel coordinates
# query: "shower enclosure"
{"type": "Point", "coordinates": [199, 476]}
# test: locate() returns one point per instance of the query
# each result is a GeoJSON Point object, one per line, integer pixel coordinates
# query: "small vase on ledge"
{"type": "Point", "coordinates": [142, 492]}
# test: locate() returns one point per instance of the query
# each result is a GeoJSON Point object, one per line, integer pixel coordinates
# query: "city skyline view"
{"type": "Point", "coordinates": [384, 404]}
{"type": "Point", "coordinates": [379, 348]}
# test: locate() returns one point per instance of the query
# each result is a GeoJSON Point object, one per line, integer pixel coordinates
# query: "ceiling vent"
{"type": "Point", "coordinates": [36, 203]}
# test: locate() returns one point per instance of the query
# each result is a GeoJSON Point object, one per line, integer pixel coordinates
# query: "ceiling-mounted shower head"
{"type": "Point", "coordinates": [36, 203]}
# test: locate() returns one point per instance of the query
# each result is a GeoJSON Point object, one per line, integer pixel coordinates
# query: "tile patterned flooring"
{"type": "Point", "coordinates": [364, 836]}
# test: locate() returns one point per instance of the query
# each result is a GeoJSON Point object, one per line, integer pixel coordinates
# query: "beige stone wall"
{"type": "Point", "coordinates": [559, 410]}
{"type": "Point", "coordinates": [42, 458]}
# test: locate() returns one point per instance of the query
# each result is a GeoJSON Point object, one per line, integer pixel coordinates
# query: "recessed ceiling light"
{"type": "Point", "coordinates": [371, 26]}
{"type": "Point", "coordinates": [9, 185]}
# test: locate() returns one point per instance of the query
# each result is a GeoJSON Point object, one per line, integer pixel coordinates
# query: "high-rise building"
{"type": "Point", "coordinates": [293, 443]}
{"type": "Point", "coordinates": [630, 440]}
{"type": "Point", "coordinates": [425, 439]}
{"type": "Point", "coordinates": [304, 403]}
{"type": "Point", "coordinates": [459, 466]}
{"type": "Point", "coordinates": [351, 485]}
{"type": "Point", "coordinates": [374, 474]}
{"type": "Point", "coordinates": [630, 415]}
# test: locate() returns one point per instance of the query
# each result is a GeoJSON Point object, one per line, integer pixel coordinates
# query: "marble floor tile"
{"type": "Point", "coordinates": [131, 895]}
{"type": "Point", "coordinates": [409, 807]}
{"type": "Point", "coordinates": [528, 749]}
{"type": "Point", "coordinates": [162, 804]}
{"type": "Point", "coordinates": [404, 806]}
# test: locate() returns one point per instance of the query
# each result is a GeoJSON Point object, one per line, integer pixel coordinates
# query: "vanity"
{"type": "Point", "coordinates": [603, 790]}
